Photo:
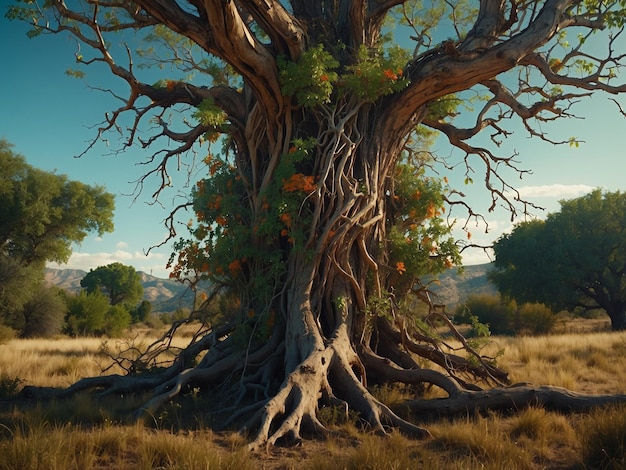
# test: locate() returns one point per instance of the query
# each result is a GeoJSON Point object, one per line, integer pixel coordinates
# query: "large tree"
{"type": "Point", "coordinates": [41, 214]}
{"type": "Point", "coordinates": [120, 283]}
{"type": "Point", "coordinates": [575, 259]}
{"type": "Point", "coordinates": [319, 210]}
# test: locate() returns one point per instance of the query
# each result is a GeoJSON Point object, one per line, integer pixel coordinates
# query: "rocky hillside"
{"type": "Point", "coordinates": [167, 295]}
{"type": "Point", "coordinates": [452, 287]}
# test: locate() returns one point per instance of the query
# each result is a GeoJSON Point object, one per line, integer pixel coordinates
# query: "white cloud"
{"type": "Point", "coordinates": [153, 264]}
{"type": "Point", "coordinates": [121, 245]}
{"type": "Point", "coordinates": [557, 191]}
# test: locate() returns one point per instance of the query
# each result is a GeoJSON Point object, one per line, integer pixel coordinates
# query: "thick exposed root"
{"type": "Point", "coordinates": [320, 376]}
{"type": "Point", "coordinates": [512, 398]}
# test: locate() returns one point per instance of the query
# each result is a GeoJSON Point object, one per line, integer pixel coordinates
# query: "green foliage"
{"type": "Point", "coordinates": [44, 313]}
{"type": "Point", "coordinates": [208, 114]}
{"type": "Point", "coordinates": [373, 73]}
{"type": "Point", "coordinates": [86, 313]}
{"type": "Point", "coordinates": [17, 286]}
{"type": "Point", "coordinates": [575, 259]}
{"type": "Point", "coordinates": [491, 314]}
{"type": "Point", "coordinates": [489, 310]}
{"type": "Point", "coordinates": [43, 213]}
{"type": "Point", "coordinates": [310, 80]}
{"type": "Point", "coordinates": [120, 283]}
{"type": "Point", "coordinates": [141, 312]}
{"type": "Point", "coordinates": [534, 319]}
{"type": "Point", "coordinates": [419, 240]}
{"type": "Point", "coordinates": [117, 319]}
{"type": "Point", "coordinates": [376, 73]}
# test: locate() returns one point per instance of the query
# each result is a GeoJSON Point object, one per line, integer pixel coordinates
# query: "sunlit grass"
{"type": "Point", "coordinates": [86, 432]}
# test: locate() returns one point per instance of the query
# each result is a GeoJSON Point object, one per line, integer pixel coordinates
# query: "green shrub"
{"type": "Point", "coordinates": [505, 317]}
{"type": "Point", "coordinates": [116, 321]}
{"type": "Point", "coordinates": [6, 333]}
{"type": "Point", "coordinates": [490, 310]}
{"type": "Point", "coordinates": [86, 313]}
{"type": "Point", "coordinates": [534, 319]}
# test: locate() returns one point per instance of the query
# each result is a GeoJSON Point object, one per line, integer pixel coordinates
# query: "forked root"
{"type": "Point", "coordinates": [295, 406]}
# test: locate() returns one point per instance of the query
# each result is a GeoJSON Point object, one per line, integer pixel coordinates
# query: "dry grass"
{"type": "Point", "coordinates": [86, 435]}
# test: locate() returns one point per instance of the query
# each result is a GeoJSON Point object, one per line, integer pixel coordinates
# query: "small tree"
{"type": "Point", "coordinates": [44, 313]}
{"type": "Point", "coordinates": [141, 312]}
{"type": "Point", "coordinates": [120, 283]}
{"type": "Point", "coordinates": [116, 321]}
{"type": "Point", "coordinates": [576, 259]}
{"type": "Point", "coordinates": [86, 313]}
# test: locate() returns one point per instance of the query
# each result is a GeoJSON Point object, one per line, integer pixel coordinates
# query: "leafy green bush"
{"type": "Point", "coordinates": [505, 317]}
{"type": "Point", "coordinates": [534, 319]}
{"type": "Point", "coordinates": [489, 310]}
{"type": "Point", "coordinates": [43, 313]}
{"type": "Point", "coordinates": [86, 313]}
{"type": "Point", "coordinates": [116, 321]}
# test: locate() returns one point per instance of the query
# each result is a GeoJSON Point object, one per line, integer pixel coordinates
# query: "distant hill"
{"type": "Point", "coordinates": [453, 288]}
{"type": "Point", "coordinates": [166, 295]}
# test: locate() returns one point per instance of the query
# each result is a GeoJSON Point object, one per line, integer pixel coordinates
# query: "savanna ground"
{"type": "Point", "coordinates": [88, 433]}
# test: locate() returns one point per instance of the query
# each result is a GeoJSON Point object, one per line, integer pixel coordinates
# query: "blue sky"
{"type": "Point", "coordinates": [47, 116]}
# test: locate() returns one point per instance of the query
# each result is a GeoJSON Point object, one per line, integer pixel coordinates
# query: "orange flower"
{"type": "Point", "coordinates": [284, 232]}
{"type": "Point", "coordinates": [400, 267]}
{"type": "Point", "coordinates": [469, 235]}
{"type": "Point", "coordinates": [286, 219]}
{"type": "Point", "coordinates": [324, 77]}
{"type": "Point", "coordinates": [170, 84]}
{"type": "Point", "coordinates": [390, 74]}
{"type": "Point", "coordinates": [221, 220]}
{"type": "Point", "coordinates": [299, 182]}
{"type": "Point", "coordinates": [234, 266]}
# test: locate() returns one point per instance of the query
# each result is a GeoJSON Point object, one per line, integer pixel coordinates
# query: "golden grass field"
{"type": "Point", "coordinates": [82, 433]}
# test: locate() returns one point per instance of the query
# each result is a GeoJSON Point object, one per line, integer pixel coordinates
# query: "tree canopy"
{"type": "Point", "coordinates": [120, 283]}
{"type": "Point", "coordinates": [576, 259]}
{"type": "Point", "coordinates": [43, 213]}
{"type": "Point", "coordinates": [320, 207]}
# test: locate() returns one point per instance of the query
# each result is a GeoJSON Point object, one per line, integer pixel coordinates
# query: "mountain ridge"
{"type": "Point", "coordinates": [167, 295]}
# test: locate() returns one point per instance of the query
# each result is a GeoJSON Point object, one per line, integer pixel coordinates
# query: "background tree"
{"type": "Point", "coordinates": [41, 215]}
{"type": "Point", "coordinates": [44, 313]}
{"type": "Point", "coordinates": [86, 313]}
{"type": "Point", "coordinates": [141, 312]}
{"type": "Point", "coordinates": [576, 259]}
{"type": "Point", "coordinates": [503, 316]}
{"type": "Point", "coordinates": [319, 207]}
{"type": "Point", "coordinates": [120, 283]}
